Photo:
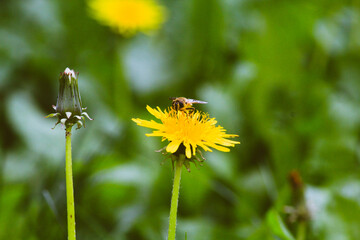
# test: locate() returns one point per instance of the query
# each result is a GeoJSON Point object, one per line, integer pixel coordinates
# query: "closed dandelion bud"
{"type": "Point", "coordinates": [69, 108]}
{"type": "Point", "coordinates": [69, 97]}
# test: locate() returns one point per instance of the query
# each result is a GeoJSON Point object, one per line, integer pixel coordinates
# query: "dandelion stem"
{"type": "Point", "coordinates": [69, 186]}
{"type": "Point", "coordinates": [301, 231]}
{"type": "Point", "coordinates": [175, 198]}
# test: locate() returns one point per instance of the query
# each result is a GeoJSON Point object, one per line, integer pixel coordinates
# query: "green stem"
{"type": "Point", "coordinates": [301, 231]}
{"type": "Point", "coordinates": [175, 197]}
{"type": "Point", "coordinates": [69, 187]}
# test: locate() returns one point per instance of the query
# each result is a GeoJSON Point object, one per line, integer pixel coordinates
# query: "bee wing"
{"type": "Point", "coordinates": [172, 98]}
{"type": "Point", "coordinates": [192, 101]}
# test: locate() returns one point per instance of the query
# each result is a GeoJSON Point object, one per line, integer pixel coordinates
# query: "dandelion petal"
{"type": "Point", "coordinates": [173, 146]}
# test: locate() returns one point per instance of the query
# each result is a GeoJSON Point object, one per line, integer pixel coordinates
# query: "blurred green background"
{"type": "Point", "coordinates": [283, 75]}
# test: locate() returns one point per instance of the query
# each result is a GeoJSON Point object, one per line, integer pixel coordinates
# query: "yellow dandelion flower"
{"type": "Point", "coordinates": [192, 130]}
{"type": "Point", "coordinates": [128, 16]}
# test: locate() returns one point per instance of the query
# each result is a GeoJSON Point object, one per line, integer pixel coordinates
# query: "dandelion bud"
{"type": "Point", "coordinates": [69, 108]}
{"type": "Point", "coordinates": [69, 97]}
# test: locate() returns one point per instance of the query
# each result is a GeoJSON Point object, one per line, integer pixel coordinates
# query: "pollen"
{"type": "Point", "coordinates": [128, 16]}
{"type": "Point", "coordinates": [190, 129]}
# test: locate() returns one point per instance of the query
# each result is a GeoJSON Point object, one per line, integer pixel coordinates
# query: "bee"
{"type": "Point", "coordinates": [184, 104]}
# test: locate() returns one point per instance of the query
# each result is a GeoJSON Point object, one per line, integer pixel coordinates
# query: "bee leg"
{"type": "Point", "coordinates": [190, 110]}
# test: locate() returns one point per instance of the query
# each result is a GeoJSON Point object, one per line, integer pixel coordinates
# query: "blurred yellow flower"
{"type": "Point", "coordinates": [128, 16]}
{"type": "Point", "coordinates": [191, 129]}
